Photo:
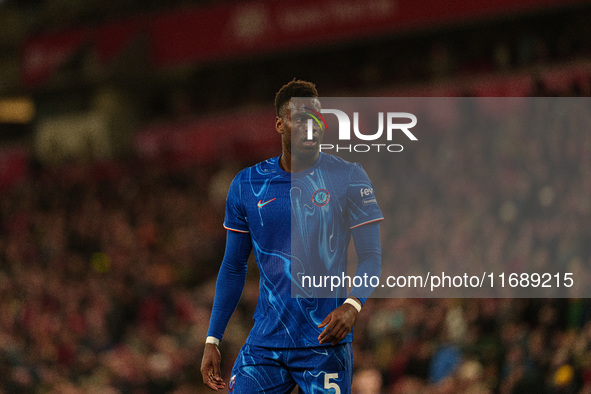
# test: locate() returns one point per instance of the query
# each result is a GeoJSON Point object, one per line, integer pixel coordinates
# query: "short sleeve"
{"type": "Point", "coordinates": [362, 206]}
{"type": "Point", "coordinates": [235, 219]}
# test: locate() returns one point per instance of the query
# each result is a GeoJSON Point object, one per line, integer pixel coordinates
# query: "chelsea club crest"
{"type": "Point", "coordinates": [321, 197]}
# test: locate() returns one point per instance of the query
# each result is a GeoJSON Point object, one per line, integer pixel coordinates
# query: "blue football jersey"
{"type": "Point", "coordinates": [304, 219]}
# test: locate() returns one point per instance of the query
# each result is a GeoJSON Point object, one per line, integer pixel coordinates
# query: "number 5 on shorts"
{"type": "Point", "coordinates": [331, 385]}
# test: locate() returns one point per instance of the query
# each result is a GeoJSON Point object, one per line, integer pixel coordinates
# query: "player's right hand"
{"type": "Point", "coordinates": [210, 367]}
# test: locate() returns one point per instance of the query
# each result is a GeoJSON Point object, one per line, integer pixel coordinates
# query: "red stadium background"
{"type": "Point", "coordinates": [137, 116]}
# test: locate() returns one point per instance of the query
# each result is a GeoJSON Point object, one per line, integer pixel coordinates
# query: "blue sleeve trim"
{"type": "Point", "coordinates": [364, 223]}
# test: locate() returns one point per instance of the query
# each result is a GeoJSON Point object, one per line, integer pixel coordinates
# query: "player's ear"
{"type": "Point", "coordinates": [279, 125]}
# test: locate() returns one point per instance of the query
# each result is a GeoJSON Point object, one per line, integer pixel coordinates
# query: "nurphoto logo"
{"type": "Point", "coordinates": [390, 122]}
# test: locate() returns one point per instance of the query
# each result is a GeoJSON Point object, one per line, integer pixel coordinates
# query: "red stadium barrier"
{"type": "Point", "coordinates": [220, 31]}
{"type": "Point", "coordinates": [238, 136]}
{"type": "Point", "coordinates": [250, 135]}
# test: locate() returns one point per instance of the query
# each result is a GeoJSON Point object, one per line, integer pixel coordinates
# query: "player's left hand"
{"type": "Point", "coordinates": [337, 324]}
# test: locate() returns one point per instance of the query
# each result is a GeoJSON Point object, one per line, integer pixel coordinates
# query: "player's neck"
{"type": "Point", "coordinates": [289, 163]}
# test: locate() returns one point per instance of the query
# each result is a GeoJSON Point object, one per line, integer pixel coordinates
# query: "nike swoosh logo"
{"type": "Point", "coordinates": [261, 204]}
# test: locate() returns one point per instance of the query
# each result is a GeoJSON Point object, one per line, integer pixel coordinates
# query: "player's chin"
{"type": "Point", "coordinates": [308, 147]}
{"type": "Point", "coordinates": [308, 156]}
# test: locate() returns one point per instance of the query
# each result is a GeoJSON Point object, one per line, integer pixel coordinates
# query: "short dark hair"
{"type": "Point", "coordinates": [294, 88]}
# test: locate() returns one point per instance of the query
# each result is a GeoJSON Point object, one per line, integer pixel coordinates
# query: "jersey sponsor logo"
{"type": "Point", "coordinates": [232, 383]}
{"type": "Point", "coordinates": [321, 197]}
{"type": "Point", "coordinates": [366, 191]}
{"type": "Point", "coordinates": [261, 204]}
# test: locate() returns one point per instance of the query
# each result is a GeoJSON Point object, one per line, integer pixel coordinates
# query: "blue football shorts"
{"type": "Point", "coordinates": [322, 369]}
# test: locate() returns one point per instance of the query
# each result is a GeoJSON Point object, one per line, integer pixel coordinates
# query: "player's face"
{"type": "Point", "coordinates": [294, 129]}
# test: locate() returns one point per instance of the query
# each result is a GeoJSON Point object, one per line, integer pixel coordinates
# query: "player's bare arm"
{"type": "Point", "coordinates": [210, 367]}
{"type": "Point", "coordinates": [338, 323]}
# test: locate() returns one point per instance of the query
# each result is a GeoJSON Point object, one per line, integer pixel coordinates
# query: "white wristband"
{"type": "Point", "coordinates": [355, 304]}
{"type": "Point", "coordinates": [212, 340]}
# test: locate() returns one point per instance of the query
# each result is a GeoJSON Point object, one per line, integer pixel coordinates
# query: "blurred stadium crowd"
{"type": "Point", "coordinates": [513, 198]}
{"type": "Point", "coordinates": [107, 270]}
{"type": "Point", "coordinates": [108, 273]}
